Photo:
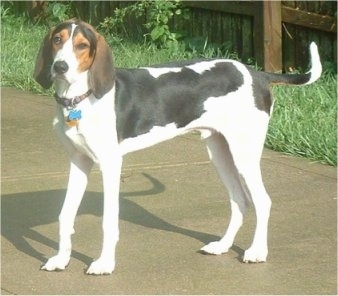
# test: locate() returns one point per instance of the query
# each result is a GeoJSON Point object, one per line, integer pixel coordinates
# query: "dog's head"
{"type": "Point", "coordinates": [71, 49]}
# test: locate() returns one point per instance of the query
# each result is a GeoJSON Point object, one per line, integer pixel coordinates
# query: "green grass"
{"type": "Point", "coordinates": [304, 118]}
{"type": "Point", "coordinates": [19, 47]}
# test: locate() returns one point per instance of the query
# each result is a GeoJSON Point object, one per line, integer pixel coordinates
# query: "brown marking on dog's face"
{"type": "Point", "coordinates": [83, 51]}
{"type": "Point", "coordinates": [59, 37]}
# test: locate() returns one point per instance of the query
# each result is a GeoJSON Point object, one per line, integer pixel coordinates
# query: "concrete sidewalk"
{"type": "Point", "coordinates": [172, 203]}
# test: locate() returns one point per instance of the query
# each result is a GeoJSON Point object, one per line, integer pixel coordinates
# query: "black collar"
{"type": "Point", "coordinates": [71, 103]}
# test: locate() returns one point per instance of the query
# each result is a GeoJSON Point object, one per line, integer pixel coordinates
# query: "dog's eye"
{"type": "Point", "coordinates": [81, 46]}
{"type": "Point", "coordinates": [57, 40]}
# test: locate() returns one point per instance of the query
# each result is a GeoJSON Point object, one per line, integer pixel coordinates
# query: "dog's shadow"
{"type": "Point", "coordinates": [20, 213]}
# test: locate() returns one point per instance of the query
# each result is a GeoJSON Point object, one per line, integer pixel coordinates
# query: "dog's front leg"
{"type": "Point", "coordinates": [111, 170]}
{"type": "Point", "coordinates": [78, 178]}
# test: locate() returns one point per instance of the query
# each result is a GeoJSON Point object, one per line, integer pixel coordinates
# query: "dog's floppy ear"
{"type": "Point", "coordinates": [101, 72]}
{"type": "Point", "coordinates": [44, 62]}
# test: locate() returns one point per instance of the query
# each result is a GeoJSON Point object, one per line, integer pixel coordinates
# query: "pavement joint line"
{"type": "Point", "coordinates": [281, 163]}
{"type": "Point", "coordinates": [128, 168]}
{"type": "Point", "coordinates": [166, 165]}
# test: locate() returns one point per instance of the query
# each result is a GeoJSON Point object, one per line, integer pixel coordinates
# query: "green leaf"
{"type": "Point", "coordinates": [157, 32]}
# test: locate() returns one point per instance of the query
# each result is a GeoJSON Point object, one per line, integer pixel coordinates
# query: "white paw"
{"type": "Point", "coordinates": [58, 262]}
{"type": "Point", "coordinates": [215, 248]}
{"type": "Point", "coordinates": [101, 266]}
{"type": "Point", "coordinates": [255, 255]}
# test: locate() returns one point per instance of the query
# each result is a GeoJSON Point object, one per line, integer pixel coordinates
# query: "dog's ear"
{"type": "Point", "coordinates": [43, 63]}
{"type": "Point", "coordinates": [101, 72]}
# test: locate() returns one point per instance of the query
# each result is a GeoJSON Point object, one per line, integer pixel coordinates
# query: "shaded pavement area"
{"type": "Point", "coordinates": [172, 203]}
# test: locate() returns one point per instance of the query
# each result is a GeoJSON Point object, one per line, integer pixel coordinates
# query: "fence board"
{"type": "Point", "coordinates": [309, 19]}
{"type": "Point", "coordinates": [243, 8]}
{"type": "Point", "coordinates": [272, 35]}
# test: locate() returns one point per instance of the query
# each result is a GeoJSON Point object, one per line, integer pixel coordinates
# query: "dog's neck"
{"type": "Point", "coordinates": [69, 90]}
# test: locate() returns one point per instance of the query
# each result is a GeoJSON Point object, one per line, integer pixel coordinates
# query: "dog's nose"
{"type": "Point", "coordinates": [60, 67]}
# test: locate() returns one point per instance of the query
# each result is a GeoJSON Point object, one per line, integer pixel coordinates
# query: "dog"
{"type": "Point", "coordinates": [105, 112]}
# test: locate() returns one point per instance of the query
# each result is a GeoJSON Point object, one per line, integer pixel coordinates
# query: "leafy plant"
{"type": "Point", "coordinates": [158, 15]}
{"type": "Point", "coordinates": [57, 12]}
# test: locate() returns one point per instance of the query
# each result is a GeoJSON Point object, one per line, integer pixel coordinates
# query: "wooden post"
{"type": "Point", "coordinates": [272, 36]}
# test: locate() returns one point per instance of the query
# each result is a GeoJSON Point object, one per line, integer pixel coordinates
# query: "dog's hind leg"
{"type": "Point", "coordinates": [251, 174]}
{"type": "Point", "coordinates": [246, 145]}
{"type": "Point", "coordinates": [221, 157]}
{"type": "Point", "coordinates": [78, 178]}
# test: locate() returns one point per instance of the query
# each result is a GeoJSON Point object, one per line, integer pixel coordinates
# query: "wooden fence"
{"type": "Point", "coordinates": [275, 33]}
{"type": "Point", "coordinates": [266, 29]}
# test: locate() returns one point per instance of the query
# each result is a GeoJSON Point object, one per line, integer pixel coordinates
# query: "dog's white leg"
{"type": "Point", "coordinates": [262, 203]}
{"type": "Point", "coordinates": [111, 170]}
{"type": "Point", "coordinates": [78, 178]}
{"type": "Point", "coordinates": [220, 155]}
{"type": "Point", "coordinates": [246, 146]}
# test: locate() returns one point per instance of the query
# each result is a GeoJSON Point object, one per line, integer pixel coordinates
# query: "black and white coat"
{"type": "Point", "coordinates": [104, 113]}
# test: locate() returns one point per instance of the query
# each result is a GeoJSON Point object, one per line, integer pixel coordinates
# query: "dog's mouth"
{"type": "Point", "coordinates": [57, 76]}
{"type": "Point", "coordinates": [62, 77]}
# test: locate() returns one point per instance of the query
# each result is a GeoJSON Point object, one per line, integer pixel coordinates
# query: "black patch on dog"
{"type": "Point", "coordinates": [261, 91]}
{"type": "Point", "coordinates": [142, 101]}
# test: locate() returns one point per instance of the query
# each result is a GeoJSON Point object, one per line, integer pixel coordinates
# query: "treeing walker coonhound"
{"type": "Point", "coordinates": [105, 112]}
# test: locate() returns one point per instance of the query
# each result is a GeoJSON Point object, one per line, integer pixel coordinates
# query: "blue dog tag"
{"type": "Point", "coordinates": [74, 115]}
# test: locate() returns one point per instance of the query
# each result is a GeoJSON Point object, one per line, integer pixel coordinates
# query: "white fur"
{"type": "Point", "coordinates": [157, 72]}
{"type": "Point", "coordinates": [316, 68]}
{"type": "Point", "coordinates": [155, 135]}
{"type": "Point", "coordinates": [201, 67]}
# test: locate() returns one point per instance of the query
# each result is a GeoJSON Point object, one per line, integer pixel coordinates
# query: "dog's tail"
{"type": "Point", "coordinates": [301, 79]}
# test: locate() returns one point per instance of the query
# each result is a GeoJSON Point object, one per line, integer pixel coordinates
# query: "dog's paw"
{"type": "Point", "coordinates": [215, 248]}
{"type": "Point", "coordinates": [57, 263]}
{"type": "Point", "coordinates": [255, 255]}
{"type": "Point", "coordinates": [101, 266]}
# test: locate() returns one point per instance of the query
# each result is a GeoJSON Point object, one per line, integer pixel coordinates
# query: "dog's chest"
{"type": "Point", "coordinates": [81, 141]}
{"type": "Point", "coordinates": [93, 133]}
